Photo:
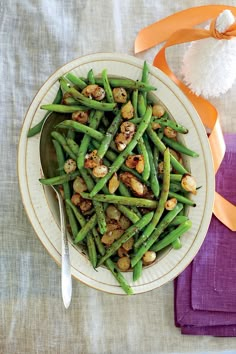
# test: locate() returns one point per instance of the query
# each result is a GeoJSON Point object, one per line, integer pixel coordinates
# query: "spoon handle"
{"type": "Point", "coordinates": [66, 282]}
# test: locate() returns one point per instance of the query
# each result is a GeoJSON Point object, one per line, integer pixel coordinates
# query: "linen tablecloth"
{"type": "Point", "coordinates": [37, 37]}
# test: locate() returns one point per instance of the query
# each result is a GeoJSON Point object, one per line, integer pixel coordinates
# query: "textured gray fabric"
{"type": "Point", "coordinates": [36, 37]}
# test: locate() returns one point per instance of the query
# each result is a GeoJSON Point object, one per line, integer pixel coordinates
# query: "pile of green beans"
{"type": "Point", "coordinates": [140, 199]}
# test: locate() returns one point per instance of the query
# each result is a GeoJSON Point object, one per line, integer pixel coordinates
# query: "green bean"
{"type": "Point", "coordinates": [70, 101]}
{"type": "Point", "coordinates": [124, 192]}
{"type": "Point", "coordinates": [81, 128]}
{"type": "Point", "coordinates": [179, 147]}
{"type": "Point", "coordinates": [72, 221]}
{"type": "Point", "coordinates": [145, 246]}
{"type": "Point", "coordinates": [176, 244]}
{"type": "Point", "coordinates": [173, 235]}
{"type": "Point", "coordinates": [77, 213]}
{"type": "Point", "coordinates": [91, 79]}
{"type": "Point", "coordinates": [143, 151]}
{"type": "Point", "coordinates": [60, 108]}
{"type": "Point", "coordinates": [98, 242]}
{"type": "Point", "coordinates": [161, 147]}
{"type": "Point", "coordinates": [119, 277]}
{"type": "Point", "coordinates": [178, 220]}
{"type": "Point", "coordinates": [141, 105]}
{"type": "Point", "coordinates": [137, 270]}
{"type": "Point", "coordinates": [94, 121]}
{"type": "Point", "coordinates": [135, 102]}
{"type": "Point", "coordinates": [182, 199]}
{"type": "Point", "coordinates": [62, 141]}
{"type": "Point", "coordinates": [105, 122]}
{"type": "Point", "coordinates": [76, 81]}
{"type": "Point", "coordinates": [110, 133]}
{"type": "Point", "coordinates": [128, 213]}
{"type": "Point", "coordinates": [70, 134]}
{"type": "Point", "coordinates": [131, 231]}
{"type": "Point", "coordinates": [37, 128]}
{"type": "Point", "coordinates": [125, 153]}
{"type": "Point", "coordinates": [86, 229]}
{"type": "Point", "coordinates": [176, 187]}
{"type": "Point", "coordinates": [161, 204]}
{"type": "Point", "coordinates": [107, 87]}
{"type": "Point", "coordinates": [91, 103]}
{"type": "Point", "coordinates": [164, 121]}
{"type": "Point", "coordinates": [97, 205]}
{"type": "Point", "coordinates": [55, 181]}
{"type": "Point", "coordinates": [92, 253]}
{"type": "Point", "coordinates": [74, 147]}
{"type": "Point", "coordinates": [160, 133]}
{"type": "Point", "coordinates": [174, 177]}
{"type": "Point", "coordinates": [116, 199]}
{"type": "Point", "coordinates": [127, 84]}
{"type": "Point", "coordinates": [144, 79]}
{"type": "Point", "coordinates": [65, 85]}
{"type": "Point", "coordinates": [153, 176]}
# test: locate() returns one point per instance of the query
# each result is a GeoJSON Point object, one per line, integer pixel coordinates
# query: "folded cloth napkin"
{"type": "Point", "coordinates": [205, 293]}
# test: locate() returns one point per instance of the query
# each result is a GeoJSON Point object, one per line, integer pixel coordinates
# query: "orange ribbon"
{"type": "Point", "coordinates": [171, 29]}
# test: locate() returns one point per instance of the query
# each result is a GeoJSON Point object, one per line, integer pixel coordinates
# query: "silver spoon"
{"type": "Point", "coordinates": [50, 169]}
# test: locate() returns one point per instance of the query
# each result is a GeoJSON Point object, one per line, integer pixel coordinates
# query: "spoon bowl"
{"type": "Point", "coordinates": [50, 169]}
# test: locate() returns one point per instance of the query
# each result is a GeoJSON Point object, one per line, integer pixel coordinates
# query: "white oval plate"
{"type": "Point", "coordinates": [41, 205]}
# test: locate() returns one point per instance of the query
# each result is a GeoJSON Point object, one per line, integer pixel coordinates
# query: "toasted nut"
{"type": "Point", "coordinates": [122, 140]}
{"type": "Point", "coordinates": [137, 186]}
{"type": "Point", "coordinates": [170, 204]}
{"type": "Point", "coordinates": [113, 213]}
{"type": "Point", "coordinates": [122, 252]}
{"type": "Point", "coordinates": [155, 126]}
{"type": "Point", "coordinates": [85, 205]}
{"type": "Point", "coordinates": [70, 166]}
{"type": "Point", "coordinates": [100, 171]}
{"type": "Point", "coordinates": [124, 222]}
{"type": "Point", "coordinates": [128, 244]}
{"type": "Point", "coordinates": [80, 116]}
{"type": "Point", "coordinates": [135, 161]}
{"type": "Point", "coordinates": [92, 160]}
{"type": "Point", "coordinates": [149, 257]}
{"type": "Point", "coordinates": [161, 167]}
{"type": "Point", "coordinates": [128, 128]}
{"type": "Point", "coordinates": [131, 181]}
{"type": "Point", "coordinates": [113, 183]}
{"type": "Point", "coordinates": [140, 164]}
{"type": "Point", "coordinates": [158, 110]}
{"type": "Point", "coordinates": [123, 263]}
{"type": "Point", "coordinates": [127, 111]}
{"type": "Point", "coordinates": [113, 226]}
{"type": "Point", "coordinates": [109, 237]}
{"type": "Point", "coordinates": [94, 91]}
{"type": "Point", "coordinates": [76, 199]}
{"type": "Point", "coordinates": [79, 185]}
{"type": "Point", "coordinates": [119, 94]}
{"type": "Point", "coordinates": [170, 133]}
{"type": "Point", "coordinates": [188, 183]}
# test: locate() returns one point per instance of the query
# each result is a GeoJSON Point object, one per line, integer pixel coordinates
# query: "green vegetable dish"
{"type": "Point", "coordinates": [121, 171]}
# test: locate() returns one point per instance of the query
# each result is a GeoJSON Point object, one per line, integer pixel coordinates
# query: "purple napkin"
{"type": "Point", "coordinates": [205, 293]}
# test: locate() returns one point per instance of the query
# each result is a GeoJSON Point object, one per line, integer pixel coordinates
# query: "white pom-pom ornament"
{"type": "Point", "coordinates": [209, 65]}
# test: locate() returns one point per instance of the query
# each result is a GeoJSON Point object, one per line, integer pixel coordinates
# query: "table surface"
{"type": "Point", "coordinates": [37, 37]}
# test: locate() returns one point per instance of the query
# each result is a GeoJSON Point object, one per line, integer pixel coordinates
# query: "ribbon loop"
{"type": "Point", "coordinates": [223, 210]}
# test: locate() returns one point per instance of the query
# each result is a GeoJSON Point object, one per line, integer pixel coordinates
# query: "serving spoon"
{"type": "Point", "coordinates": [50, 169]}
